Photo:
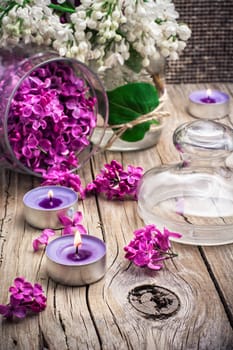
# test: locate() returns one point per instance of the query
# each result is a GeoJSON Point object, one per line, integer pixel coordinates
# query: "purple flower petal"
{"type": "Point", "coordinates": [5, 310]}
{"type": "Point", "coordinates": [42, 239]}
{"type": "Point", "coordinates": [65, 220]}
{"type": "Point", "coordinates": [20, 312]}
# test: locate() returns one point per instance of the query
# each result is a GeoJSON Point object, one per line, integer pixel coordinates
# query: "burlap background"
{"type": "Point", "coordinates": [208, 56]}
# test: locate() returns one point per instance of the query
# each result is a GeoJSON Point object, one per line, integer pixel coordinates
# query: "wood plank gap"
{"type": "Point", "coordinates": [93, 319]}
{"type": "Point", "coordinates": [64, 330]}
{"type": "Point", "coordinates": [123, 336]}
{"type": "Point", "coordinates": [43, 343]}
{"type": "Point", "coordinates": [54, 299]}
{"type": "Point", "coordinates": [6, 190]}
{"type": "Point", "coordinates": [115, 257]}
{"type": "Point", "coordinates": [40, 264]}
{"type": "Point", "coordinates": [101, 225]}
{"type": "Point", "coordinates": [218, 289]}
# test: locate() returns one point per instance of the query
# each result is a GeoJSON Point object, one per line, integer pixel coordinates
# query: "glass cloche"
{"type": "Point", "coordinates": [195, 196]}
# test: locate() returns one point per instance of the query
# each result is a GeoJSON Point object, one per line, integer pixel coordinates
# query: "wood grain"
{"type": "Point", "coordinates": [100, 316]}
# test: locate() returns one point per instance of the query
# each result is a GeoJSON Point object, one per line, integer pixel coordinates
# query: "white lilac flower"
{"type": "Point", "coordinates": [106, 31]}
{"type": "Point", "coordinates": [184, 32]}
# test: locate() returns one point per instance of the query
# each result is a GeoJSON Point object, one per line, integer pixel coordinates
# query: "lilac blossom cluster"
{"type": "Point", "coordinates": [25, 298]}
{"type": "Point", "coordinates": [150, 247]}
{"type": "Point", "coordinates": [55, 176]}
{"type": "Point", "coordinates": [70, 226]}
{"type": "Point", "coordinates": [115, 182]}
{"type": "Point", "coordinates": [108, 32]}
{"type": "Point", "coordinates": [51, 118]}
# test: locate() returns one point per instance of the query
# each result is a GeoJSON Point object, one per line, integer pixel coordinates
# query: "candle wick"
{"type": "Point", "coordinates": [76, 250]}
{"type": "Point", "coordinates": [50, 195]}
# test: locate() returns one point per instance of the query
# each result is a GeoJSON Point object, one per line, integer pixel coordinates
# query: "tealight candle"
{"type": "Point", "coordinates": [43, 204]}
{"type": "Point", "coordinates": [76, 267]}
{"type": "Point", "coordinates": [208, 104]}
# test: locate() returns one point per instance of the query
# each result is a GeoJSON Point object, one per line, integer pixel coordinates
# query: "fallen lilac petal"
{"type": "Point", "coordinates": [65, 220]}
{"type": "Point", "coordinates": [72, 224]}
{"type": "Point", "coordinates": [42, 239]}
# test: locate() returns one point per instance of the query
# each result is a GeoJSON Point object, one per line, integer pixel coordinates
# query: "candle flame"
{"type": "Point", "coordinates": [50, 194]}
{"type": "Point", "coordinates": [77, 241]}
{"type": "Point", "coordinates": [208, 92]}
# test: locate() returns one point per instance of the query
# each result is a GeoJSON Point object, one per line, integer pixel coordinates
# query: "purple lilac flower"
{"type": "Point", "coordinates": [150, 247]}
{"type": "Point", "coordinates": [43, 238]}
{"type": "Point", "coordinates": [55, 176]}
{"type": "Point", "coordinates": [39, 301]}
{"type": "Point", "coordinates": [115, 182]}
{"type": "Point", "coordinates": [72, 224]}
{"type": "Point", "coordinates": [21, 290]}
{"type": "Point", "coordinates": [51, 118]}
{"type": "Point", "coordinates": [24, 298]}
{"type": "Point", "coordinates": [14, 308]}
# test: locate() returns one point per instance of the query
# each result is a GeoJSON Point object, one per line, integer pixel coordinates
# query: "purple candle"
{"type": "Point", "coordinates": [208, 104]}
{"type": "Point", "coordinates": [67, 266]}
{"type": "Point", "coordinates": [208, 99]}
{"type": "Point", "coordinates": [50, 202]}
{"type": "Point", "coordinates": [43, 204]}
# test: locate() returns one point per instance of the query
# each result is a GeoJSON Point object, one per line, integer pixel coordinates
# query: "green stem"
{"type": "Point", "coordinates": [7, 9]}
{"type": "Point", "coordinates": [61, 8]}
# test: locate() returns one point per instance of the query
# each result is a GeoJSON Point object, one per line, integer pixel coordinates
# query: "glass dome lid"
{"type": "Point", "coordinates": [195, 196]}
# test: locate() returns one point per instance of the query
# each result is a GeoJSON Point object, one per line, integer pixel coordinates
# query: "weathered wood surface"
{"type": "Point", "coordinates": [100, 316]}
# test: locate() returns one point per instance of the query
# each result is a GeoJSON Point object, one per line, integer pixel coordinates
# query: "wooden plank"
{"type": "Point", "coordinates": [67, 316]}
{"type": "Point", "coordinates": [100, 316]}
{"type": "Point", "coordinates": [16, 252]}
{"type": "Point", "coordinates": [188, 280]}
{"type": "Point", "coordinates": [217, 259]}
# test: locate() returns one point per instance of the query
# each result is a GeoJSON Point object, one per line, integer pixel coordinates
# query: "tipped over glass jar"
{"type": "Point", "coordinates": [48, 107]}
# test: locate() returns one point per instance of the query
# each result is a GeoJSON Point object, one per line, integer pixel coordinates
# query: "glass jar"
{"type": "Point", "coordinates": [150, 122]}
{"type": "Point", "coordinates": [194, 197]}
{"type": "Point", "coordinates": [23, 79]}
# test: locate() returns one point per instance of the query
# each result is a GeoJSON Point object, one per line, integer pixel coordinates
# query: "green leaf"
{"type": "Point", "coordinates": [130, 101]}
{"type": "Point", "coordinates": [135, 60]}
{"type": "Point", "coordinates": [136, 133]}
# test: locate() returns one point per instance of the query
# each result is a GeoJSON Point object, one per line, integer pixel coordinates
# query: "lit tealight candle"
{"type": "Point", "coordinates": [76, 262]}
{"type": "Point", "coordinates": [208, 104]}
{"type": "Point", "coordinates": [43, 204]}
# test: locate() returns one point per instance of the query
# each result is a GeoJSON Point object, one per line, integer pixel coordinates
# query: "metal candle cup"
{"type": "Point", "coordinates": [212, 105]}
{"type": "Point", "coordinates": [42, 211]}
{"type": "Point", "coordinates": [66, 267]}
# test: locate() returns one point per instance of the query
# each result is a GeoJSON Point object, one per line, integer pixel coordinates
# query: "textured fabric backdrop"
{"type": "Point", "coordinates": [208, 56]}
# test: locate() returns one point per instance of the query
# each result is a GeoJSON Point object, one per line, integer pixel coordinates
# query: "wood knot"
{"type": "Point", "coordinates": [154, 302]}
